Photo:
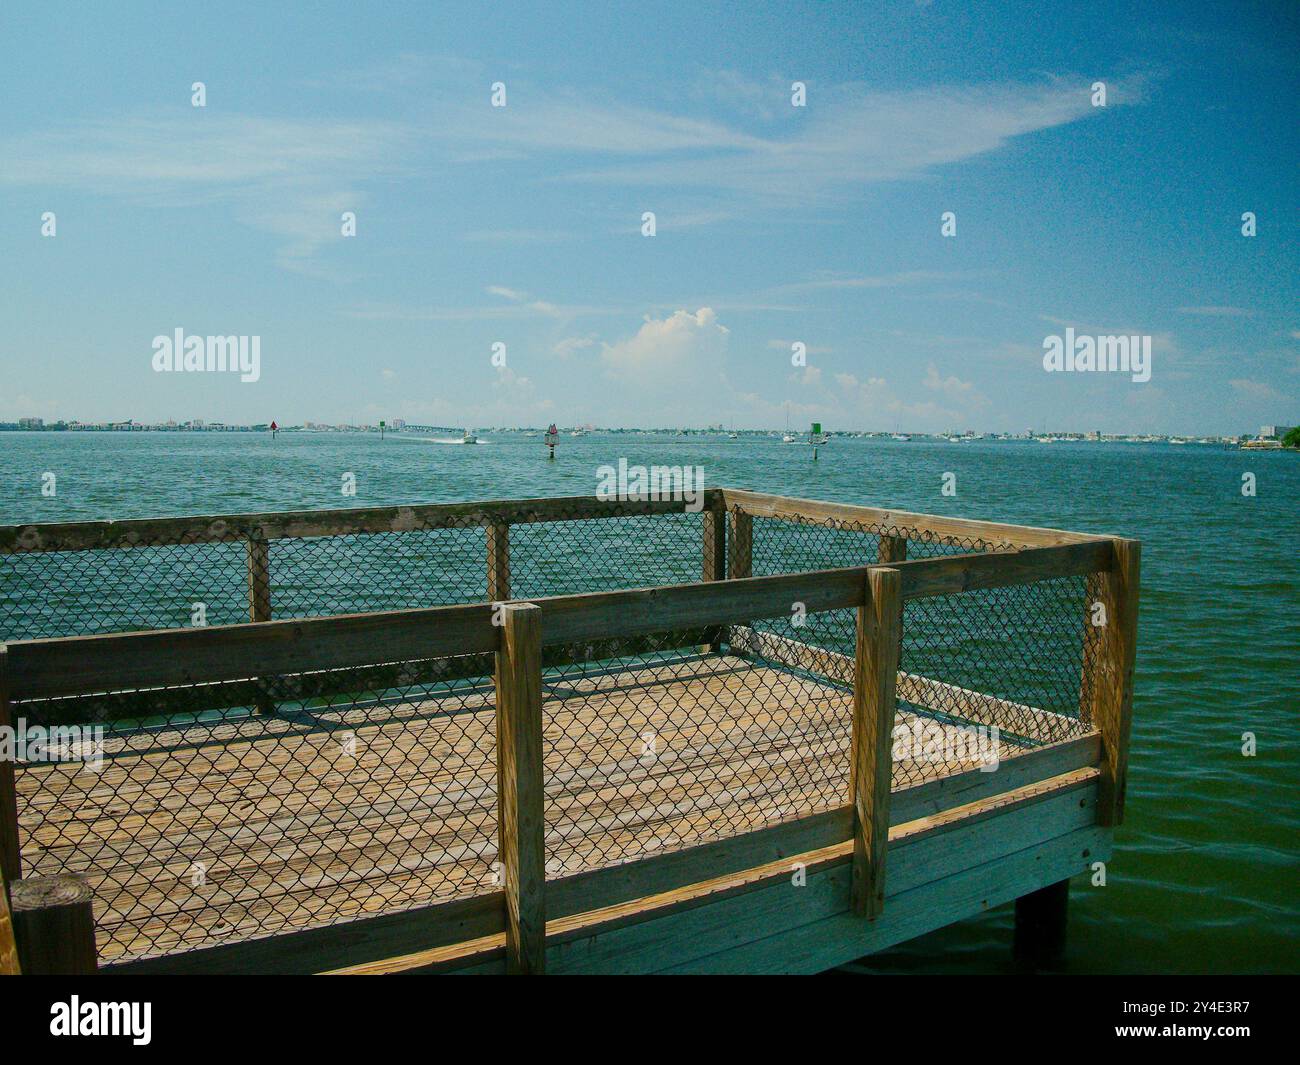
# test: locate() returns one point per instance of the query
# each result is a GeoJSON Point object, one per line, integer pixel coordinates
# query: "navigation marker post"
{"type": "Point", "coordinates": [552, 438]}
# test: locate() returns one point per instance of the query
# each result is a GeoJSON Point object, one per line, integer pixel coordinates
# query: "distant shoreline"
{"type": "Point", "coordinates": [899, 437]}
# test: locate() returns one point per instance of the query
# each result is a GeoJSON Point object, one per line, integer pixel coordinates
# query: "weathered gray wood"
{"type": "Point", "coordinates": [498, 562]}
{"type": "Point", "coordinates": [122, 661]}
{"type": "Point", "coordinates": [520, 793]}
{"type": "Point", "coordinates": [226, 528]}
{"type": "Point", "coordinates": [983, 533]}
{"type": "Point", "coordinates": [11, 862]}
{"type": "Point", "coordinates": [54, 925]}
{"type": "Point", "coordinates": [874, 679]}
{"type": "Point", "coordinates": [1113, 675]}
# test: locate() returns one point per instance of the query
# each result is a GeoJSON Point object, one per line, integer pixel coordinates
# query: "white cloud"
{"type": "Point", "coordinates": [673, 352]}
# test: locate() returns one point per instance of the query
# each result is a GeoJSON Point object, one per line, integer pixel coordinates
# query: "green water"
{"type": "Point", "coordinates": [1205, 875]}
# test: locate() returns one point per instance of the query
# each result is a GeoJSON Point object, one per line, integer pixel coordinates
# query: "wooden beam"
{"type": "Point", "coordinates": [986, 533]}
{"type": "Point", "coordinates": [336, 946]}
{"type": "Point", "coordinates": [227, 528]}
{"type": "Point", "coordinates": [54, 925]}
{"type": "Point", "coordinates": [1113, 676]}
{"type": "Point", "coordinates": [11, 860]}
{"type": "Point", "coordinates": [520, 793]}
{"type": "Point", "coordinates": [875, 676]}
{"type": "Point", "coordinates": [498, 562]}
{"type": "Point", "coordinates": [75, 665]}
{"type": "Point", "coordinates": [927, 577]}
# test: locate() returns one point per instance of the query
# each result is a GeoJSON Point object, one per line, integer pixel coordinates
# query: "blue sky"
{"type": "Point", "coordinates": [774, 223]}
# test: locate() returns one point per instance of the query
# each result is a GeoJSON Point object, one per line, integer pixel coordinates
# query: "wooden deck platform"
{"type": "Point", "coordinates": [239, 829]}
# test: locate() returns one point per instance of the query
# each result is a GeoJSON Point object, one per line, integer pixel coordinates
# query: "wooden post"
{"type": "Point", "coordinates": [892, 549]}
{"type": "Point", "coordinates": [259, 603]}
{"type": "Point", "coordinates": [259, 579]}
{"type": "Point", "coordinates": [11, 860]}
{"type": "Point", "coordinates": [54, 926]}
{"type": "Point", "coordinates": [520, 816]}
{"type": "Point", "coordinates": [741, 561]}
{"type": "Point", "coordinates": [714, 566]}
{"type": "Point", "coordinates": [1112, 680]}
{"type": "Point", "coordinates": [8, 946]}
{"type": "Point", "coordinates": [498, 562]}
{"type": "Point", "coordinates": [1041, 918]}
{"type": "Point", "coordinates": [874, 678]}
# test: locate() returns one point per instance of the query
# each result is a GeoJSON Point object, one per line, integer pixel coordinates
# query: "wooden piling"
{"type": "Point", "coordinates": [521, 822]}
{"type": "Point", "coordinates": [54, 926]}
{"type": "Point", "coordinates": [874, 679]}
{"type": "Point", "coordinates": [1041, 919]}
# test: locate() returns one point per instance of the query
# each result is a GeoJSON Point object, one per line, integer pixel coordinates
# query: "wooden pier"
{"type": "Point", "coordinates": [723, 774]}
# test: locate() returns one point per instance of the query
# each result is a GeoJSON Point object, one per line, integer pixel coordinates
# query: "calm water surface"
{"type": "Point", "coordinates": [1206, 873]}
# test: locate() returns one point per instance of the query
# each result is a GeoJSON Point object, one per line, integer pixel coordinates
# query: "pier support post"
{"type": "Point", "coordinates": [54, 926]}
{"type": "Point", "coordinates": [1112, 676]}
{"type": "Point", "coordinates": [498, 562]}
{"type": "Point", "coordinates": [520, 814]}
{"type": "Point", "coordinates": [11, 862]}
{"type": "Point", "coordinates": [1040, 926]}
{"type": "Point", "coordinates": [874, 680]}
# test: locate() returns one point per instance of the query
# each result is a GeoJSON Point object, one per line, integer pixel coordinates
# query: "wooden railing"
{"type": "Point", "coordinates": [43, 669]}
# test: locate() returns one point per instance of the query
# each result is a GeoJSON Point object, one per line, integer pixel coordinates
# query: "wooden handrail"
{"type": "Point", "coordinates": [767, 505]}
{"type": "Point", "coordinates": [227, 528]}
{"type": "Point", "coordinates": [74, 665]}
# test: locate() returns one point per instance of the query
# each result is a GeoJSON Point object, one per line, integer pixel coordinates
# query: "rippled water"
{"type": "Point", "coordinates": [1205, 876]}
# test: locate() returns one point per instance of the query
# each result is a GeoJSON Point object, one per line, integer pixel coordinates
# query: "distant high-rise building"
{"type": "Point", "coordinates": [30, 423]}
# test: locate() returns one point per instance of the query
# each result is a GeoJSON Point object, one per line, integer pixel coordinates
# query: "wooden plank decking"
{"type": "Point", "coordinates": [291, 831]}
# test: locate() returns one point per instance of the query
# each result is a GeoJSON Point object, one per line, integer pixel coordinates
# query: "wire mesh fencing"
{"type": "Point", "coordinates": [663, 743]}
{"type": "Point", "coordinates": [217, 812]}
{"type": "Point", "coordinates": [181, 581]}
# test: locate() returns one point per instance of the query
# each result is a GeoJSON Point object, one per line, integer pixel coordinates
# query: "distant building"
{"type": "Point", "coordinates": [1266, 432]}
{"type": "Point", "coordinates": [31, 423]}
